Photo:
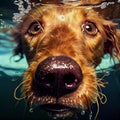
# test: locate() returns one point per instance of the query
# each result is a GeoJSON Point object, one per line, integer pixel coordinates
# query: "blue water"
{"type": "Point", "coordinates": [11, 75]}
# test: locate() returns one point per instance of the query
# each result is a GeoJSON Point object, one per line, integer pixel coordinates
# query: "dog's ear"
{"type": "Point", "coordinates": [112, 44]}
{"type": "Point", "coordinates": [19, 47]}
{"type": "Point", "coordinates": [22, 47]}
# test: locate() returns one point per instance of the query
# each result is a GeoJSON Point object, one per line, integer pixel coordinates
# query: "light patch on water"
{"type": "Point", "coordinates": [7, 60]}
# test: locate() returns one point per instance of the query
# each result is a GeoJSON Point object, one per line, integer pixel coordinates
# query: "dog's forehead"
{"type": "Point", "coordinates": [54, 15]}
{"type": "Point", "coordinates": [59, 12]}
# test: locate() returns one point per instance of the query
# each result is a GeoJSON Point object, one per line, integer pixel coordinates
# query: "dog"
{"type": "Point", "coordinates": [63, 45]}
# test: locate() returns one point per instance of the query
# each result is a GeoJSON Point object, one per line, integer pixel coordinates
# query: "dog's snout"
{"type": "Point", "coordinates": [57, 76]}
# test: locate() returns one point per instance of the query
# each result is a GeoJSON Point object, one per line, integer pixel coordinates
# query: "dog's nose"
{"type": "Point", "coordinates": [57, 76]}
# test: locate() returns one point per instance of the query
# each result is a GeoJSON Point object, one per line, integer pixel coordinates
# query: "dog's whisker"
{"type": "Point", "coordinates": [15, 92]}
{"type": "Point", "coordinates": [102, 97]}
{"type": "Point", "coordinates": [98, 109]}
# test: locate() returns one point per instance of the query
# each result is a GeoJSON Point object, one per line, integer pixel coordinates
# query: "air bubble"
{"type": "Point", "coordinates": [31, 110]}
{"type": "Point", "coordinates": [1, 15]}
{"type": "Point", "coordinates": [83, 112]}
{"type": "Point", "coordinates": [55, 118]}
{"type": "Point", "coordinates": [24, 6]}
{"type": "Point", "coordinates": [106, 73]}
{"type": "Point", "coordinates": [104, 5]}
{"type": "Point", "coordinates": [90, 115]}
{"type": "Point", "coordinates": [2, 23]}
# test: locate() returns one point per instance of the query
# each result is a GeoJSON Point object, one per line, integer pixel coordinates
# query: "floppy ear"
{"type": "Point", "coordinates": [19, 48]}
{"type": "Point", "coordinates": [112, 44]}
{"type": "Point", "coordinates": [22, 47]}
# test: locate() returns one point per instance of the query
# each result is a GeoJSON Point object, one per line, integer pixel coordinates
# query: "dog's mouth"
{"type": "Point", "coordinates": [56, 110]}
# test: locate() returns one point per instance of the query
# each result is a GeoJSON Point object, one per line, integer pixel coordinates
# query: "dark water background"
{"type": "Point", "coordinates": [11, 76]}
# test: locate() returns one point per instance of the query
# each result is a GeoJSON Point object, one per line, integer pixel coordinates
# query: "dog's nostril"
{"type": "Point", "coordinates": [49, 80]}
{"type": "Point", "coordinates": [57, 76]}
{"type": "Point", "coordinates": [70, 81]}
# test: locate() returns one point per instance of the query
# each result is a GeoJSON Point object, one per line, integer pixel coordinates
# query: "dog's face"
{"type": "Point", "coordinates": [63, 45]}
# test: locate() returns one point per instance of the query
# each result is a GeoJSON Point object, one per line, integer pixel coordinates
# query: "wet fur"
{"type": "Point", "coordinates": [64, 36]}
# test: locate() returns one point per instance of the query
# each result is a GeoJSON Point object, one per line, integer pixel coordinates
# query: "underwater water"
{"type": "Point", "coordinates": [11, 73]}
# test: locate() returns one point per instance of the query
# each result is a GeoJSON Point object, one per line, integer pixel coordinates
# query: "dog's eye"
{"type": "Point", "coordinates": [89, 28]}
{"type": "Point", "coordinates": [35, 28]}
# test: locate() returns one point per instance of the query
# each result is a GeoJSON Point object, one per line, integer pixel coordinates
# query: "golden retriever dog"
{"type": "Point", "coordinates": [63, 45]}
